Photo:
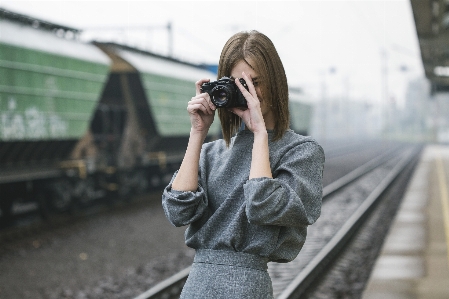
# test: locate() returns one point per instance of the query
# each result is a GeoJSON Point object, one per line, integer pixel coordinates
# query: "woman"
{"type": "Point", "coordinates": [248, 198]}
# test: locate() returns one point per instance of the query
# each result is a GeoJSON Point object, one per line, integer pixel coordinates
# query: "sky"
{"type": "Point", "coordinates": [333, 49]}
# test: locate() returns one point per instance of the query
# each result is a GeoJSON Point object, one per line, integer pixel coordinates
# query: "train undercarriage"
{"type": "Point", "coordinates": [72, 188]}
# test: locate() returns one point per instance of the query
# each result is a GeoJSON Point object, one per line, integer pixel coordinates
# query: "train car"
{"type": "Point", "coordinates": [49, 87]}
{"type": "Point", "coordinates": [78, 121]}
{"type": "Point", "coordinates": [141, 126]}
{"type": "Point", "coordinates": [301, 111]}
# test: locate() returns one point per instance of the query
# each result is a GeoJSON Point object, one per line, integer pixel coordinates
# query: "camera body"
{"type": "Point", "coordinates": [224, 93]}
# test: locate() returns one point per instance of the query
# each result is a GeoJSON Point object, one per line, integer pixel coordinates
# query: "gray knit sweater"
{"type": "Point", "coordinates": [263, 216]}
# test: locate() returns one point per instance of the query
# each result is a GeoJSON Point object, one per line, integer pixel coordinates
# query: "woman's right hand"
{"type": "Point", "coordinates": [201, 112]}
{"type": "Point", "coordinates": [201, 109]}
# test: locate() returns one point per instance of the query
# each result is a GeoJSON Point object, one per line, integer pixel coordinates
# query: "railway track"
{"type": "Point", "coordinates": [347, 204]}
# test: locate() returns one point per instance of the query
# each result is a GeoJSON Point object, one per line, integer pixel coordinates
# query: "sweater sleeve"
{"type": "Point", "coordinates": [183, 207]}
{"type": "Point", "coordinates": [293, 196]}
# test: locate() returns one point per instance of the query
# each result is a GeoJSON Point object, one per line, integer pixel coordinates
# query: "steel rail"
{"type": "Point", "coordinates": [317, 265]}
{"type": "Point", "coordinates": [172, 286]}
{"type": "Point", "coordinates": [169, 288]}
{"type": "Point", "coordinates": [347, 149]}
{"type": "Point", "coordinates": [358, 172]}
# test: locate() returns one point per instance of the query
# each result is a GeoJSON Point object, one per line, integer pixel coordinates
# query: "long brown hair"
{"type": "Point", "coordinates": [258, 48]}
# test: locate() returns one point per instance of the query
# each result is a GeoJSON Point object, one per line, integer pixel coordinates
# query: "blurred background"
{"type": "Point", "coordinates": [357, 62]}
{"type": "Point", "coordinates": [93, 99]}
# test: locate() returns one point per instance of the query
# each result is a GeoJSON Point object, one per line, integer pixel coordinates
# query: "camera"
{"type": "Point", "coordinates": [224, 93]}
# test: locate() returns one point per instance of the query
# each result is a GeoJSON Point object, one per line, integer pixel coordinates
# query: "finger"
{"type": "Point", "coordinates": [194, 108]}
{"type": "Point", "coordinates": [249, 82]}
{"type": "Point", "coordinates": [198, 85]}
{"type": "Point", "coordinates": [248, 96]}
{"type": "Point", "coordinates": [209, 101]}
{"type": "Point", "coordinates": [237, 112]}
{"type": "Point", "coordinates": [240, 86]}
{"type": "Point", "coordinates": [203, 95]}
{"type": "Point", "coordinates": [204, 100]}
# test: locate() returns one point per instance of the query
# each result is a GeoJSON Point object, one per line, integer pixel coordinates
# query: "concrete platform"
{"type": "Point", "coordinates": [414, 262]}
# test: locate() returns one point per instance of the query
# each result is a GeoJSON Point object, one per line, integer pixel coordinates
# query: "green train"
{"type": "Point", "coordinates": [84, 121]}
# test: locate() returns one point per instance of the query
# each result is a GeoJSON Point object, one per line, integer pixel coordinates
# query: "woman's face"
{"type": "Point", "coordinates": [236, 72]}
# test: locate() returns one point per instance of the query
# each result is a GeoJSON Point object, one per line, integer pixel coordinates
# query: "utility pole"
{"type": "Point", "coordinates": [170, 39]}
{"type": "Point", "coordinates": [323, 107]}
{"type": "Point", "coordinates": [385, 104]}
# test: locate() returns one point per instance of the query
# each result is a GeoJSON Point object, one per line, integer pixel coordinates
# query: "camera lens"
{"type": "Point", "coordinates": [220, 96]}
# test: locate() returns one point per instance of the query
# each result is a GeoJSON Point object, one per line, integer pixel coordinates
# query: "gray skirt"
{"type": "Point", "coordinates": [227, 274]}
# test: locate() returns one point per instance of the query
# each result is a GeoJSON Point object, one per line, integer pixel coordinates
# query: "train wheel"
{"type": "Point", "coordinates": [133, 183]}
{"type": "Point", "coordinates": [85, 193]}
{"type": "Point", "coordinates": [55, 198]}
{"type": "Point", "coordinates": [142, 184]}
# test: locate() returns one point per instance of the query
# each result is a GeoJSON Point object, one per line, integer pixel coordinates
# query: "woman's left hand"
{"type": "Point", "coordinates": [252, 116]}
